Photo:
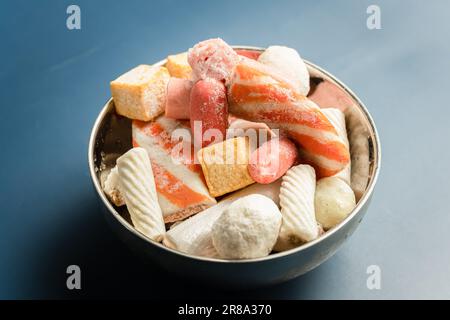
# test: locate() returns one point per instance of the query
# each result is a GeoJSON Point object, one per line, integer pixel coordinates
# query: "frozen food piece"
{"type": "Point", "coordinates": [337, 119]}
{"type": "Point", "coordinates": [178, 66]}
{"type": "Point", "coordinates": [141, 92]}
{"type": "Point", "coordinates": [212, 58]}
{"type": "Point", "coordinates": [326, 94]}
{"type": "Point", "coordinates": [208, 112]}
{"type": "Point", "coordinates": [238, 127]}
{"type": "Point", "coordinates": [359, 147]}
{"type": "Point", "coordinates": [178, 98]}
{"type": "Point", "coordinates": [247, 229]}
{"type": "Point", "coordinates": [193, 236]}
{"type": "Point", "coordinates": [139, 190]}
{"type": "Point", "coordinates": [289, 63]}
{"type": "Point", "coordinates": [297, 208]}
{"type": "Point", "coordinates": [257, 93]}
{"type": "Point", "coordinates": [179, 180]}
{"type": "Point", "coordinates": [272, 159]}
{"type": "Point", "coordinates": [111, 187]}
{"type": "Point", "coordinates": [251, 54]}
{"type": "Point", "coordinates": [224, 165]}
{"type": "Point", "coordinates": [334, 200]}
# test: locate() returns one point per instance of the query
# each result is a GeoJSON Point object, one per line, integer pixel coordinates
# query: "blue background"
{"type": "Point", "coordinates": [54, 81]}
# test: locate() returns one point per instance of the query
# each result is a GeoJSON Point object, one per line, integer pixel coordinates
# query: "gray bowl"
{"type": "Point", "coordinates": [111, 137]}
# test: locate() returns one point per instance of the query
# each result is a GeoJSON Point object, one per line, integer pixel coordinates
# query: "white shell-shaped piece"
{"type": "Point", "coordinates": [337, 119]}
{"type": "Point", "coordinates": [289, 64]}
{"type": "Point", "coordinates": [297, 208]}
{"type": "Point", "coordinates": [137, 186]}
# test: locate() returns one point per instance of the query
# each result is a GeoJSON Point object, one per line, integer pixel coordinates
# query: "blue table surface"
{"type": "Point", "coordinates": [54, 81]}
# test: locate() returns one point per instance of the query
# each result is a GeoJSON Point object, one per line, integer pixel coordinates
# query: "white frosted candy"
{"type": "Point", "coordinates": [289, 64]}
{"type": "Point", "coordinates": [193, 236]}
{"type": "Point", "coordinates": [334, 201]}
{"type": "Point", "coordinates": [247, 229]}
{"type": "Point", "coordinates": [337, 119]}
{"type": "Point", "coordinates": [138, 188]}
{"type": "Point", "coordinates": [297, 208]}
{"type": "Point", "coordinates": [212, 58]}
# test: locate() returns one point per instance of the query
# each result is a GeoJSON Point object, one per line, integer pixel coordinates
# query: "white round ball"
{"type": "Point", "coordinates": [248, 228]}
{"type": "Point", "coordinates": [334, 200]}
{"type": "Point", "coordinates": [288, 63]}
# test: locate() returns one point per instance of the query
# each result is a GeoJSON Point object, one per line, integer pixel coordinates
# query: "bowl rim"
{"type": "Point", "coordinates": [361, 203]}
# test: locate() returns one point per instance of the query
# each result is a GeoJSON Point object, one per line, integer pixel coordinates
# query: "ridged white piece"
{"type": "Point", "coordinates": [193, 236]}
{"type": "Point", "coordinates": [138, 188]}
{"type": "Point", "coordinates": [337, 119]}
{"type": "Point", "coordinates": [297, 208]}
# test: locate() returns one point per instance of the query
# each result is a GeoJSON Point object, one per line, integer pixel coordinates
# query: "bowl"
{"type": "Point", "coordinates": [111, 137]}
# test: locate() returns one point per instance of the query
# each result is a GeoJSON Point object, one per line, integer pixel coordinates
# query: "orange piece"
{"type": "Point", "coordinates": [259, 93]}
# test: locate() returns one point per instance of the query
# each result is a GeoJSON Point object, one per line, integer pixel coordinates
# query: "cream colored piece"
{"type": "Point", "coordinates": [110, 185]}
{"type": "Point", "coordinates": [337, 119]}
{"type": "Point", "coordinates": [224, 165]}
{"type": "Point", "coordinates": [297, 207]}
{"type": "Point", "coordinates": [141, 92]}
{"type": "Point", "coordinates": [138, 188]}
{"type": "Point", "coordinates": [178, 66]}
{"type": "Point", "coordinates": [289, 64]}
{"type": "Point", "coordinates": [193, 236]}
{"type": "Point", "coordinates": [334, 200]}
{"type": "Point", "coordinates": [247, 229]}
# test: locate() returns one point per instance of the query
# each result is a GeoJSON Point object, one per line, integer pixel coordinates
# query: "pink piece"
{"type": "Point", "coordinates": [328, 95]}
{"type": "Point", "coordinates": [272, 159]}
{"type": "Point", "coordinates": [178, 97]}
{"type": "Point", "coordinates": [251, 54]}
{"type": "Point", "coordinates": [208, 111]}
{"type": "Point", "coordinates": [237, 124]}
{"type": "Point", "coordinates": [212, 58]}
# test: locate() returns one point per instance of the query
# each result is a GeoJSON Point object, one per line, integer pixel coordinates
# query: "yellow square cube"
{"type": "Point", "coordinates": [178, 66]}
{"type": "Point", "coordinates": [225, 164]}
{"type": "Point", "coordinates": [141, 92]}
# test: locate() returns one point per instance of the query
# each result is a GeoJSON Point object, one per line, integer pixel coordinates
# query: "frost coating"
{"type": "Point", "coordinates": [138, 187]}
{"type": "Point", "coordinates": [247, 229]}
{"type": "Point", "coordinates": [289, 63]}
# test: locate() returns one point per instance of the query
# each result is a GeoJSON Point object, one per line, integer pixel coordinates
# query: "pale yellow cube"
{"type": "Point", "coordinates": [178, 66]}
{"type": "Point", "coordinates": [141, 92]}
{"type": "Point", "coordinates": [225, 164]}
